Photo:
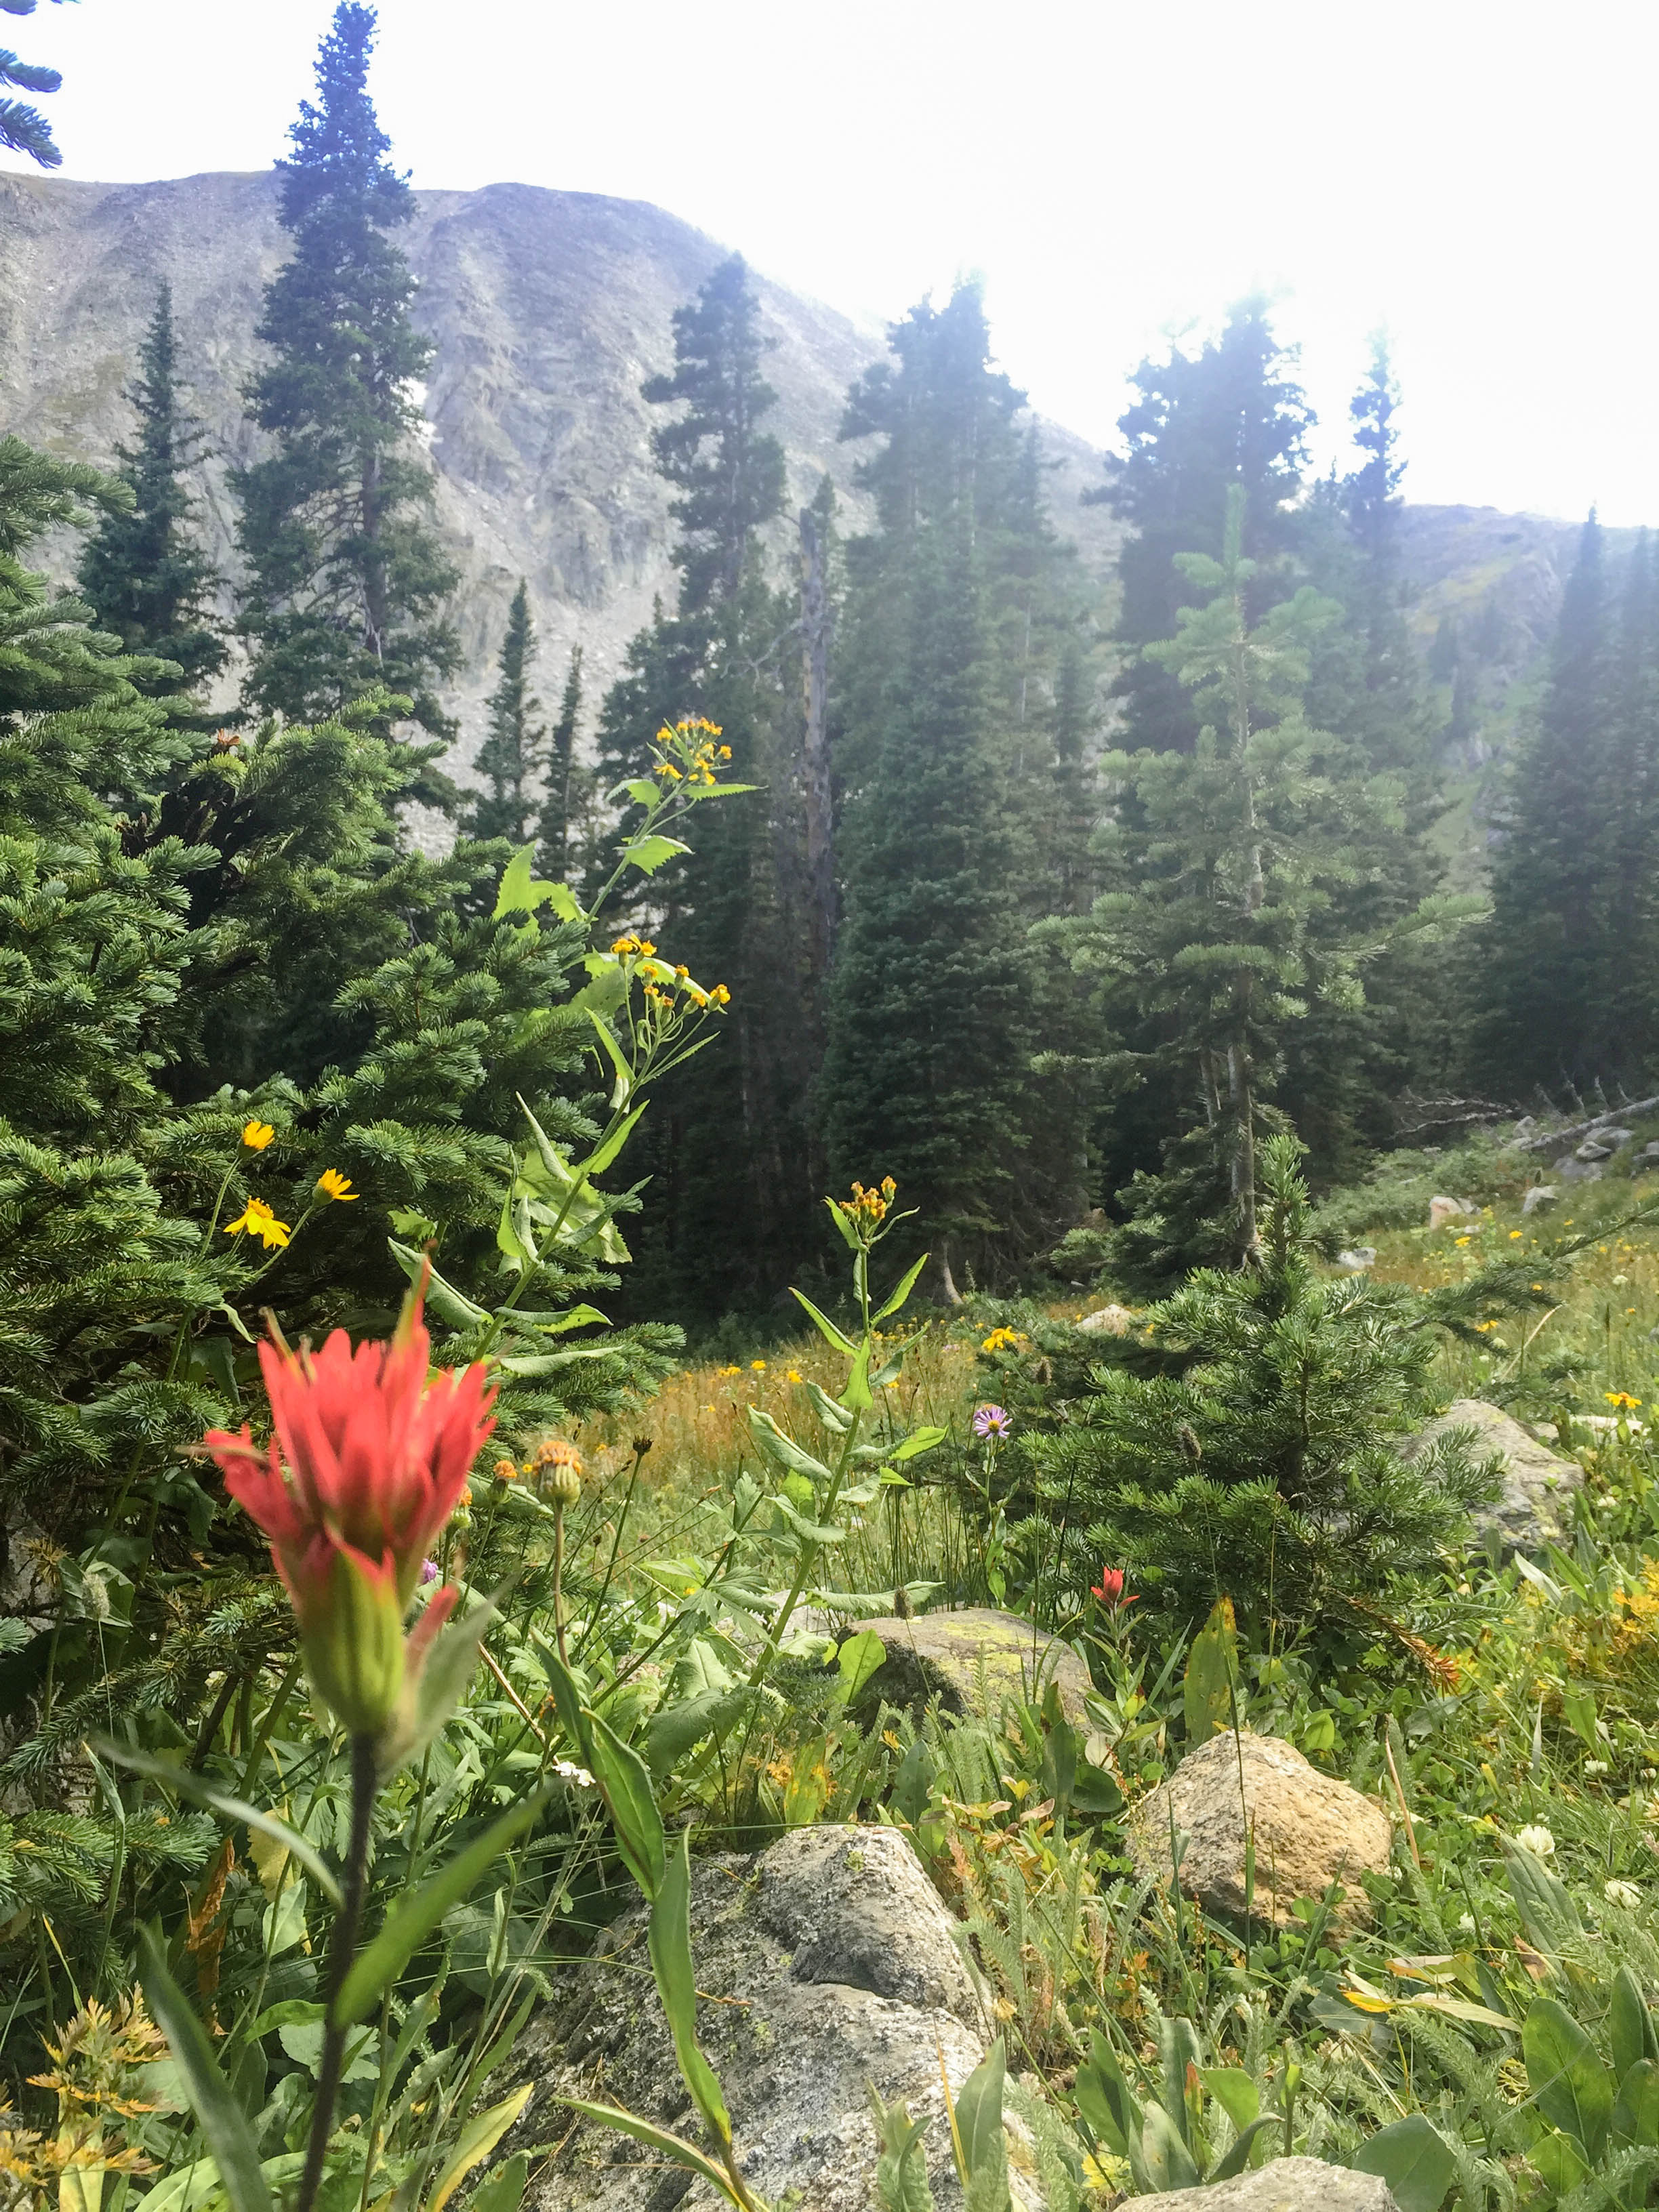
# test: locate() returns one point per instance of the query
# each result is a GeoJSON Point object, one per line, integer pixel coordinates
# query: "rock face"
{"type": "Point", "coordinates": [548, 310]}
{"type": "Point", "coordinates": [1535, 1507]}
{"type": "Point", "coordinates": [1442, 1210]}
{"type": "Point", "coordinates": [973, 1660]}
{"type": "Point", "coordinates": [1541, 1195]}
{"type": "Point", "coordinates": [1285, 2184]}
{"type": "Point", "coordinates": [836, 1966]}
{"type": "Point", "coordinates": [1108, 1320]}
{"type": "Point", "coordinates": [1310, 1829]}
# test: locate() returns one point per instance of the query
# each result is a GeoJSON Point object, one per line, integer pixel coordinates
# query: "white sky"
{"type": "Point", "coordinates": [1478, 175]}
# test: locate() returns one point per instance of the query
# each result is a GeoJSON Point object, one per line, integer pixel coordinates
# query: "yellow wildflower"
{"type": "Point", "coordinates": [758, 1365]}
{"type": "Point", "coordinates": [505, 1470]}
{"type": "Point", "coordinates": [256, 1219]}
{"type": "Point", "coordinates": [720, 996]}
{"type": "Point", "coordinates": [1514, 1233]}
{"type": "Point", "coordinates": [1622, 1400]}
{"type": "Point", "coordinates": [333, 1184]}
{"type": "Point", "coordinates": [256, 1135]}
{"type": "Point", "coordinates": [794, 1375]}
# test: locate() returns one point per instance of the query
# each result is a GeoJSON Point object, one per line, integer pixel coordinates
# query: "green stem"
{"type": "Point", "coordinates": [341, 1950]}
{"type": "Point", "coordinates": [809, 1551]}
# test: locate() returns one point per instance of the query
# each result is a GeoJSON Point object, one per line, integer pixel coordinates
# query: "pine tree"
{"type": "Point", "coordinates": [346, 579]}
{"type": "Point", "coordinates": [1543, 951]}
{"type": "Point", "coordinates": [1259, 1459]}
{"type": "Point", "coordinates": [554, 854]}
{"type": "Point", "coordinates": [926, 1074]}
{"type": "Point", "coordinates": [144, 573]}
{"type": "Point", "coordinates": [508, 753]}
{"type": "Point", "coordinates": [1225, 919]}
{"type": "Point", "coordinates": [23, 129]}
{"type": "Point", "coordinates": [1231, 413]}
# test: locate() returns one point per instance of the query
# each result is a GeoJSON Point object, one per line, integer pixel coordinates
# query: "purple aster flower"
{"type": "Point", "coordinates": [993, 1421]}
{"type": "Point", "coordinates": [428, 1570]}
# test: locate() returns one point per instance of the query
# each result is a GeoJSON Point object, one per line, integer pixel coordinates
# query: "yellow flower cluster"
{"type": "Point", "coordinates": [688, 753]}
{"type": "Point", "coordinates": [1622, 1400]}
{"type": "Point", "coordinates": [870, 1205]}
{"type": "Point", "coordinates": [629, 947]}
{"type": "Point", "coordinates": [1003, 1340]}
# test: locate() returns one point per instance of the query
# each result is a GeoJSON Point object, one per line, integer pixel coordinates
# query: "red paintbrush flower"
{"type": "Point", "coordinates": [1110, 1589]}
{"type": "Point", "coordinates": [369, 1457]}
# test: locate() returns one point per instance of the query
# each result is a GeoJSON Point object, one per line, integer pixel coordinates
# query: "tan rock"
{"type": "Point", "coordinates": [973, 1660]}
{"type": "Point", "coordinates": [1535, 1507]}
{"type": "Point", "coordinates": [1284, 2185]}
{"type": "Point", "coordinates": [1442, 1210]}
{"type": "Point", "coordinates": [1310, 1829]}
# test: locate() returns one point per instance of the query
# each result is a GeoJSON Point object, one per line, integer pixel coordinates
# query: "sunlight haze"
{"type": "Point", "coordinates": [1476, 178]}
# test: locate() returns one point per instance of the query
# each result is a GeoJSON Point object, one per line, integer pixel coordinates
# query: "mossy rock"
{"type": "Point", "coordinates": [973, 1662]}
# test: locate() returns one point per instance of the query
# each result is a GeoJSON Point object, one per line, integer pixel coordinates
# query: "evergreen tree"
{"type": "Point", "coordinates": [1231, 413]}
{"type": "Point", "coordinates": [144, 573]}
{"type": "Point", "coordinates": [23, 129]}
{"type": "Point", "coordinates": [1259, 1459]}
{"type": "Point", "coordinates": [507, 755]}
{"type": "Point", "coordinates": [1544, 953]}
{"type": "Point", "coordinates": [346, 579]}
{"type": "Point", "coordinates": [553, 854]}
{"type": "Point", "coordinates": [926, 1074]}
{"type": "Point", "coordinates": [1225, 919]}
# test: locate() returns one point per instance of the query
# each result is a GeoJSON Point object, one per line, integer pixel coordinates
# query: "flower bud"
{"type": "Point", "coordinates": [564, 1484]}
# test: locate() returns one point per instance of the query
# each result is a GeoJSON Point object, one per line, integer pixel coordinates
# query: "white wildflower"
{"type": "Point", "coordinates": [1466, 1924]}
{"type": "Point", "coordinates": [1595, 1766]}
{"type": "Point", "coordinates": [1624, 1894]}
{"type": "Point", "coordinates": [1537, 1840]}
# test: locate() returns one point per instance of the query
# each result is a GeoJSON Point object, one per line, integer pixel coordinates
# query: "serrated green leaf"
{"type": "Point", "coordinates": [647, 855]}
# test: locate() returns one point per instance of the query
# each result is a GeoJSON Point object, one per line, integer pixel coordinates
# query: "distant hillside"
{"type": "Point", "coordinates": [549, 309]}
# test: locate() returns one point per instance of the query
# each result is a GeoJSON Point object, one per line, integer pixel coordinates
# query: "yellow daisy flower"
{"type": "Point", "coordinates": [256, 1219]}
{"type": "Point", "coordinates": [333, 1184]}
{"type": "Point", "coordinates": [256, 1135]}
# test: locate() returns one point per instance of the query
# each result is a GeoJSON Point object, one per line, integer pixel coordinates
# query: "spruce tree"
{"type": "Point", "coordinates": [554, 844]}
{"type": "Point", "coordinates": [23, 129]}
{"type": "Point", "coordinates": [144, 572]}
{"type": "Point", "coordinates": [1543, 949]}
{"type": "Point", "coordinates": [1230, 413]}
{"type": "Point", "coordinates": [926, 1074]}
{"type": "Point", "coordinates": [346, 578]}
{"type": "Point", "coordinates": [507, 755]}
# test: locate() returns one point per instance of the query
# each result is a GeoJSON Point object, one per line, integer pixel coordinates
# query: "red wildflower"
{"type": "Point", "coordinates": [369, 1457]}
{"type": "Point", "coordinates": [1110, 1589]}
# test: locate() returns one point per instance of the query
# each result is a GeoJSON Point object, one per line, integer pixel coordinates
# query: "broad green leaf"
{"type": "Point", "coordinates": [826, 1327]}
{"type": "Point", "coordinates": [1413, 2158]}
{"type": "Point", "coordinates": [670, 1939]}
{"type": "Point", "coordinates": [918, 1441]}
{"type": "Point", "coordinates": [812, 1532]}
{"type": "Point", "coordinates": [1569, 2082]}
{"type": "Point", "coordinates": [1179, 2054]}
{"type": "Point", "coordinates": [616, 1056]}
{"type": "Point", "coordinates": [783, 1450]}
{"type": "Point", "coordinates": [1636, 2110]}
{"type": "Point", "coordinates": [1210, 1674]}
{"type": "Point", "coordinates": [1104, 2098]}
{"type": "Point", "coordinates": [479, 2138]}
{"type": "Point", "coordinates": [984, 2148]}
{"type": "Point", "coordinates": [835, 1418]}
{"type": "Point", "coordinates": [901, 2168]}
{"type": "Point", "coordinates": [225, 2130]}
{"type": "Point", "coordinates": [621, 1774]}
{"type": "Point", "coordinates": [673, 1730]}
{"type": "Point", "coordinates": [647, 855]}
{"type": "Point", "coordinates": [1579, 1708]}
{"type": "Point", "coordinates": [1236, 2092]}
{"type": "Point", "coordinates": [1237, 2155]}
{"type": "Point", "coordinates": [285, 1923]}
{"type": "Point", "coordinates": [530, 1363]}
{"type": "Point", "coordinates": [220, 1801]}
{"type": "Point", "coordinates": [506, 2192]}
{"type": "Point", "coordinates": [407, 1927]}
{"type": "Point", "coordinates": [604, 1154]}
{"type": "Point", "coordinates": [856, 1396]}
{"type": "Point", "coordinates": [1552, 1918]}
{"type": "Point", "coordinates": [1457, 2008]}
{"type": "Point", "coordinates": [1158, 2157]}
{"type": "Point", "coordinates": [905, 1288]}
{"type": "Point", "coordinates": [657, 2139]}
{"type": "Point", "coordinates": [520, 893]}
{"type": "Point", "coordinates": [1560, 2162]}
{"type": "Point", "coordinates": [639, 789]}
{"type": "Point", "coordinates": [443, 1298]}
{"type": "Point", "coordinates": [1629, 2024]}
{"type": "Point", "coordinates": [859, 1659]}
{"type": "Point", "coordinates": [577, 1317]}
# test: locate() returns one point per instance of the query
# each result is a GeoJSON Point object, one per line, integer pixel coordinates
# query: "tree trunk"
{"type": "Point", "coordinates": [815, 623]}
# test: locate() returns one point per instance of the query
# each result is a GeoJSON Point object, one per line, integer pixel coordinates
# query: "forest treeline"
{"type": "Point", "coordinates": [1051, 918]}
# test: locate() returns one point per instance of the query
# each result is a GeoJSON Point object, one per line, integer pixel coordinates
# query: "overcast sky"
{"type": "Point", "coordinates": [1480, 175]}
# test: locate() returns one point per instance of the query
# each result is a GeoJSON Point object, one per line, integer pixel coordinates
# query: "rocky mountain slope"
{"type": "Point", "coordinates": [548, 309]}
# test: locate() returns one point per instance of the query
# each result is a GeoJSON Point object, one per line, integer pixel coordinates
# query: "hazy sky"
{"type": "Point", "coordinates": [1480, 175]}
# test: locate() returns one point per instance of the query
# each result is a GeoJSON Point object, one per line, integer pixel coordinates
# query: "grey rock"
{"type": "Point", "coordinates": [1311, 1830]}
{"type": "Point", "coordinates": [1570, 1168]}
{"type": "Point", "coordinates": [1358, 1259]}
{"type": "Point", "coordinates": [1535, 1507]}
{"type": "Point", "coordinates": [972, 1660]}
{"type": "Point", "coordinates": [1592, 1149]}
{"type": "Point", "coordinates": [1284, 2185]}
{"type": "Point", "coordinates": [1541, 1195]}
{"type": "Point", "coordinates": [835, 1964]}
{"type": "Point", "coordinates": [1649, 1150]}
{"type": "Point", "coordinates": [1108, 1320]}
{"type": "Point", "coordinates": [1442, 1210]}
